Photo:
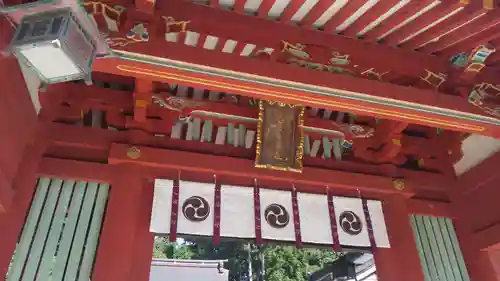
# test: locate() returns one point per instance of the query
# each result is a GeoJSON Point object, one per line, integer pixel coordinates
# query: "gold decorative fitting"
{"type": "Point", "coordinates": [434, 79]}
{"type": "Point", "coordinates": [172, 25]}
{"type": "Point", "coordinates": [398, 184]}
{"type": "Point", "coordinates": [396, 142]}
{"type": "Point", "coordinates": [141, 103]}
{"type": "Point", "coordinates": [133, 152]}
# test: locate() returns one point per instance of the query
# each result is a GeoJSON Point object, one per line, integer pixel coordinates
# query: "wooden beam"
{"type": "Point", "coordinates": [466, 38]}
{"type": "Point", "coordinates": [333, 25]}
{"type": "Point", "coordinates": [282, 74]}
{"type": "Point", "coordinates": [358, 27]}
{"type": "Point", "coordinates": [488, 239]}
{"type": "Point", "coordinates": [471, 14]}
{"type": "Point", "coordinates": [445, 9]}
{"type": "Point", "coordinates": [92, 144]}
{"type": "Point", "coordinates": [395, 21]}
{"type": "Point", "coordinates": [310, 180]}
{"type": "Point", "coordinates": [429, 208]}
{"type": "Point", "coordinates": [205, 20]}
{"type": "Point", "coordinates": [482, 174]}
{"type": "Point", "coordinates": [75, 170]}
{"type": "Point", "coordinates": [146, 6]}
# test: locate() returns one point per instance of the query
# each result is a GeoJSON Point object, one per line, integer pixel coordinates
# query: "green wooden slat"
{"type": "Point", "coordinates": [207, 130]}
{"type": "Point", "coordinates": [444, 256]}
{"type": "Point", "coordinates": [230, 133]}
{"type": "Point", "coordinates": [42, 230]}
{"type": "Point", "coordinates": [307, 145]}
{"type": "Point", "coordinates": [242, 131]}
{"type": "Point", "coordinates": [418, 241]}
{"type": "Point", "coordinates": [337, 149]}
{"type": "Point", "coordinates": [55, 231]}
{"type": "Point", "coordinates": [30, 225]}
{"type": "Point", "coordinates": [427, 248]}
{"type": "Point", "coordinates": [327, 148]}
{"type": "Point", "coordinates": [68, 232]}
{"type": "Point", "coordinates": [81, 233]}
{"type": "Point", "coordinates": [93, 236]}
{"type": "Point", "coordinates": [456, 249]}
{"type": "Point", "coordinates": [434, 249]}
{"type": "Point", "coordinates": [457, 275]}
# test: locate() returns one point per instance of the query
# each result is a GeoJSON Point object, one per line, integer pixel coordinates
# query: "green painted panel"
{"type": "Point", "coordinates": [68, 232]}
{"type": "Point", "coordinates": [81, 233]}
{"type": "Point", "coordinates": [456, 249]}
{"type": "Point", "coordinates": [454, 259]}
{"type": "Point", "coordinates": [426, 248]}
{"type": "Point", "coordinates": [61, 232]}
{"type": "Point", "coordinates": [23, 247]}
{"type": "Point", "coordinates": [42, 230]}
{"type": "Point", "coordinates": [55, 231]}
{"type": "Point", "coordinates": [439, 251]}
{"type": "Point", "coordinates": [420, 246]}
{"type": "Point", "coordinates": [93, 236]}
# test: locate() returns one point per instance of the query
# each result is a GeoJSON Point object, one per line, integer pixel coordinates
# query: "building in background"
{"type": "Point", "coordinates": [188, 270]}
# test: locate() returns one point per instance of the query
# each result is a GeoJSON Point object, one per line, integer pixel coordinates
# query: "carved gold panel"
{"type": "Point", "coordinates": [280, 136]}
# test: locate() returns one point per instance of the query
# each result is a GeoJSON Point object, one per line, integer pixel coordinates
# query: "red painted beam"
{"type": "Point", "coordinates": [444, 9]}
{"type": "Point", "coordinates": [246, 29]}
{"type": "Point", "coordinates": [488, 239]}
{"type": "Point", "coordinates": [310, 180]}
{"type": "Point", "coordinates": [76, 170]}
{"type": "Point", "coordinates": [291, 9]}
{"type": "Point", "coordinates": [466, 37]}
{"type": "Point", "coordinates": [331, 26]}
{"type": "Point", "coordinates": [396, 19]}
{"type": "Point", "coordinates": [146, 6]}
{"type": "Point", "coordinates": [315, 13]}
{"type": "Point", "coordinates": [329, 81]}
{"type": "Point", "coordinates": [371, 15]}
{"type": "Point", "coordinates": [264, 8]}
{"type": "Point", "coordinates": [430, 208]}
{"type": "Point", "coordinates": [471, 14]}
{"type": "Point", "coordinates": [479, 176]}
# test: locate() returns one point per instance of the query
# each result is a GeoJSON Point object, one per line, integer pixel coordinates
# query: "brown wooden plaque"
{"type": "Point", "coordinates": [280, 136]}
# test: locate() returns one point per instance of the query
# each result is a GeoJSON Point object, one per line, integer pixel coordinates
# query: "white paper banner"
{"type": "Point", "coordinates": [162, 206]}
{"type": "Point", "coordinates": [237, 212]}
{"type": "Point", "coordinates": [378, 224]}
{"type": "Point", "coordinates": [196, 208]}
{"type": "Point", "coordinates": [351, 222]}
{"type": "Point", "coordinates": [315, 225]}
{"type": "Point", "coordinates": [195, 215]}
{"type": "Point", "coordinates": [276, 215]}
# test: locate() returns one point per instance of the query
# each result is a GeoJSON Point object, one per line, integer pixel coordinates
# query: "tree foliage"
{"type": "Point", "coordinates": [273, 262]}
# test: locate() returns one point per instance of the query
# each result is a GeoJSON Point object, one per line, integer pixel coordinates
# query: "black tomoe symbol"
{"type": "Point", "coordinates": [195, 209]}
{"type": "Point", "coordinates": [277, 216]}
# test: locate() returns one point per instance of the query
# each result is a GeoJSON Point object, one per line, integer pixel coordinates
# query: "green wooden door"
{"type": "Point", "coordinates": [438, 248]}
{"type": "Point", "coordinates": [61, 232]}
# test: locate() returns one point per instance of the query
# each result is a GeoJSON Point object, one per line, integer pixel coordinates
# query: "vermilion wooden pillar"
{"type": "Point", "coordinates": [144, 240]}
{"type": "Point", "coordinates": [401, 261]}
{"type": "Point", "coordinates": [116, 254]}
{"type": "Point", "coordinates": [479, 264]}
{"type": "Point", "coordinates": [11, 222]}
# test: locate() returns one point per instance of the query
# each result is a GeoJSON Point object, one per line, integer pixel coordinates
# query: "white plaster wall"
{"type": "Point", "coordinates": [476, 149]}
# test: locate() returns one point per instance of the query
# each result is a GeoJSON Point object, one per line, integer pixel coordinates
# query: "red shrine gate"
{"type": "Point", "coordinates": [192, 90]}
